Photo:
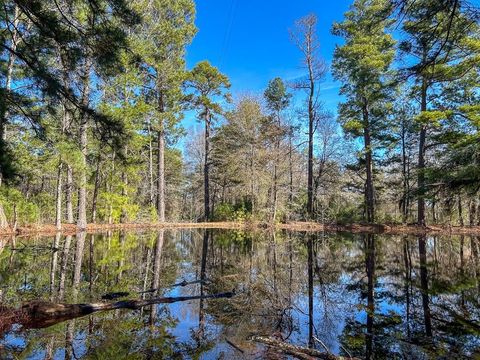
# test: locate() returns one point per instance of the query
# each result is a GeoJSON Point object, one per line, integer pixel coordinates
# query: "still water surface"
{"type": "Point", "coordinates": [370, 296]}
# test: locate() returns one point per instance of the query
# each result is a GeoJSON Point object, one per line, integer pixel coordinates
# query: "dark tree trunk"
{"type": "Point", "coordinates": [206, 168]}
{"type": "Point", "coordinates": [95, 190]}
{"type": "Point", "coordinates": [369, 189]}
{"type": "Point", "coordinates": [124, 215]}
{"type": "Point", "coordinates": [370, 268]}
{"type": "Point", "coordinates": [422, 249]}
{"type": "Point", "coordinates": [421, 159]}
{"type": "Point", "coordinates": [203, 277]}
{"type": "Point", "coordinates": [310, 290]}
{"type": "Point", "coordinates": [460, 211]}
{"type": "Point", "coordinates": [406, 182]}
{"type": "Point", "coordinates": [472, 212]}
{"type": "Point", "coordinates": [311, 121]}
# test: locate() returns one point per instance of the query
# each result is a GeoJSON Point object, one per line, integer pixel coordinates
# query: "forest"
{"type": "Point", "coordinates": [94, 94]}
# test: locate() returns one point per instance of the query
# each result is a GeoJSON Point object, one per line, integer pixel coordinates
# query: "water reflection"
{"type": "Point", "coordinates": [369, 296]}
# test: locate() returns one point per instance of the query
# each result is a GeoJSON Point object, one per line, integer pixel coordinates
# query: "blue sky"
{"type": "Point", "coordinates": [248, 40]}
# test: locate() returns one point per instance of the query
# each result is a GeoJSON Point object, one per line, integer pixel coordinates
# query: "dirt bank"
{"type": "Point", "coordinates": [71, 229]}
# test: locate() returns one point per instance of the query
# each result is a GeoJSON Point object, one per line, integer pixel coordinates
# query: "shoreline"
{"type": "Point", "coordinates": [389, 229]}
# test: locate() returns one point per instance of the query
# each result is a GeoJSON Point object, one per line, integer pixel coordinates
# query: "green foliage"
{"type": "Point", "coordinates": [232, 212]}
{"type": "Point", "coordinates": [276, 95]}
{"type": "Point", "coordinates": [207, 84]}
{"type": "Point", "coordinates": [363, 65]}
{"type": "Point", "coordinates": [28, 212]}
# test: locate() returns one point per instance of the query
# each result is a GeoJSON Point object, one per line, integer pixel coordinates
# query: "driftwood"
{"type": "Point", "coordinates": [41, 314]}
{"type": "Point", "coordinates": [296, 351]}
{"type": "Point", "coordinates": [121, 294]}
{"type": "Point", "coordinates": [115, 295]}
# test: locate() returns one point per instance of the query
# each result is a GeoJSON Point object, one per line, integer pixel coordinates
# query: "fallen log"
{"type": "Point", "coordinates": [41, 314]}
{"type": "Point", "coordinates": [296, 351]}
{"type": "Point", "coordinates": [121, 294]}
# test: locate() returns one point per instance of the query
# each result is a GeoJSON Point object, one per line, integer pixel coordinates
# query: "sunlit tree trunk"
{"type": "Point", "coordinates": [95, 190]}
{"type": "Point", "coordinates": [150, 168]}
{"type": "Point", "coordinates": [3, 105]}
{"type": "Point", "coordinates": [69, 195]}
{"type": "Point", "coordinates": [58, 197]}
{"type": "Point", "coordinates": [161, 175]}
{"type": "Point", "coordinates": [83, 133]}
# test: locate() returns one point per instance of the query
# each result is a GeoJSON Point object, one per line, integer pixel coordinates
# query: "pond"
{"type": "Point", "coordinates": [369, 296]}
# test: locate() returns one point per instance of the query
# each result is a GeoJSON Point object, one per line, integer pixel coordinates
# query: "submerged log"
{"type": "Point", "coordinates": [296, 351]}
{"type": "Point", "coordinates": [41, 314]}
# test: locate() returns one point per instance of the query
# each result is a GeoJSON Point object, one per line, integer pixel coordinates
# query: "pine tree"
{"type": "Point", "coordinates": [363, 65]}
{"type": "Point", "coordinates": [207, 85]}
{"type": "Point", "coordinates": [168, 27]}
{"type": "Point", "coordinates": [437, 40]}
{"type": "Point", "coordinates": [277, 99]}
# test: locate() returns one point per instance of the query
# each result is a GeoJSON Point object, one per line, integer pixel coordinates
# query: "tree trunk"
{"type": "Point", "coordinates": [290, 165]}
{"type": "Point", "coordinates": [161, 175]}
{"type": "Point", "coordinates": [69, 194]}
{"type": "Point", "coordinates": [82, 191]}
{"type": "Point", "coordinates": [206, 167]}
{"type": "Point", "coordinates": [310, 154]}
{"type": "Point", "coordinates": [8, 81]}
{"type": "Point", "coordinates": [369, 189]}
{"type": "Point", "coordinates": [3, 108]}
{"type": "Point", "coordinates": [275, 170]}
{"type": "Point", "coordinates": [421, 159]}
{"type": "Point", "coordinates": [95, 190]}
{"type": "Point", "coordinates": [406, 185]}
{"type": "Point", "coordinates": [472, 212]}
{"type": "Point", "coordinates": [460, 211]}
{"type": "Point", "coordinates": [58, 197]}
{"type": "Point", "coordinates": [150, 168]}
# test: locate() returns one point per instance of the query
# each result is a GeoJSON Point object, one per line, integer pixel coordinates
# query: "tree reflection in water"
{"type": "Point", "coordinates": [370, 296]}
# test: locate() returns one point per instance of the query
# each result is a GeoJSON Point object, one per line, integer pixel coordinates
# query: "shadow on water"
{"type": "Point", "coordinates": [365, 296]}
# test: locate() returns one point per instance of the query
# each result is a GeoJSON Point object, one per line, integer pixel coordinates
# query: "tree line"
{"type": "Point", "coordinates": [94, 93]}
